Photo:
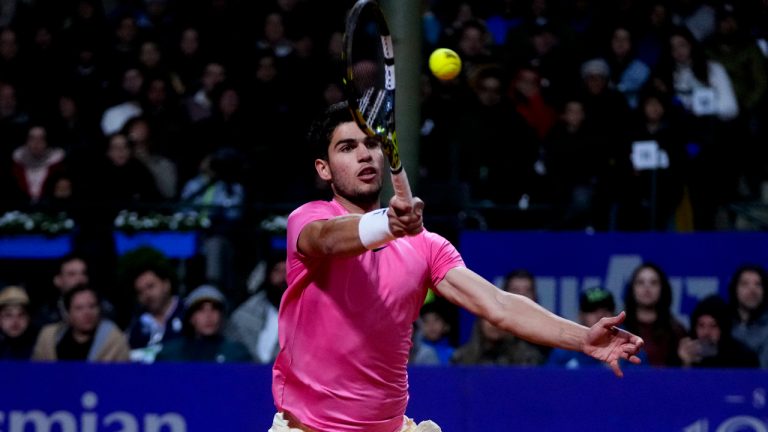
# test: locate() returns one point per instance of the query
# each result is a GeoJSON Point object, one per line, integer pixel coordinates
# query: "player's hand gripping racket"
{"type": "Point", "coordinates": [370, 83]}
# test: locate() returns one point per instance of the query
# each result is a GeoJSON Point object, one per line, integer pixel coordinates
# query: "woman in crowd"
{"type": "Point", "coordinates": [647, 302]}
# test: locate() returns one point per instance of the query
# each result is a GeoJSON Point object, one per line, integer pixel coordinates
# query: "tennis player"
{"type": "Point", "coordinates": [357, 276]}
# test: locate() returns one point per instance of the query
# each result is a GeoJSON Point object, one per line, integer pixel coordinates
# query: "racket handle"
{"type": "Point", "coordinates": [401, 186]}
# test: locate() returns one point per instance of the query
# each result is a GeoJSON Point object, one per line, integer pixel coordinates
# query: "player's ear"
{"type": "Point", "coordinates": [323, 170]}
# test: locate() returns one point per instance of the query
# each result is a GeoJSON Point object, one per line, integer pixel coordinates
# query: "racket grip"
{"type": "Point", "coordinates": [401, 186]}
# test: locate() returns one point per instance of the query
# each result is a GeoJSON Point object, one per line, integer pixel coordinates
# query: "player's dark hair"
{"type": "Point", "coordinates": [319, 136]}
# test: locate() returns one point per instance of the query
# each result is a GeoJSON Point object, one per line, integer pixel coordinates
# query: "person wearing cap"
{"type": "Point", "coordinates": [83, 335]}
{"type": "Point", "coordinates": [202, 332]}
{"type": "Point", "coordinates": [594, 304]}
{"type": "Point", "coordinates": [17, 334]}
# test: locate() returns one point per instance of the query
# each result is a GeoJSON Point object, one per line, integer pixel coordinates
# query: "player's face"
{"type": "Point", "coordinates": [207, 320]}
{"type": "Point", "coordinates": [647, 287]}
{"type": "Point", "coordinates": [354, 164]}
{"type": "Point", "coordinates": [749, 290]}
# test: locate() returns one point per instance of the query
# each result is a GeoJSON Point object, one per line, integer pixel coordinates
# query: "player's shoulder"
{"type": "Point", "coordinates": [313, 207]}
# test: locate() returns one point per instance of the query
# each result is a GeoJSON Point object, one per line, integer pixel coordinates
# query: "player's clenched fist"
{"type": "Point", "coordinates": [405, 217]}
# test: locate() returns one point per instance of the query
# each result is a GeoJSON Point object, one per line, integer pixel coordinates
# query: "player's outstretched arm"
{"type": "Point", "coordinates": [526, 319]}
{"type": "Point", "coordinates": [353, 234]}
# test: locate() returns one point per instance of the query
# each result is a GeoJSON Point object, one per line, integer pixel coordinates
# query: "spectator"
{"type": "Point", "coordinates": [711, 343]}
{"type": "Point", "coordinates": [491, 122]}
{"type": "Point", "coordinates": [696, 16]}
{"type": "Point", "coordinates": [594, 304]}
{"type": "Point", "coordinates": [17, 333]}
{"type": "Point", "coordinates": [199, 105]}
{"type": "Point", "coordinates": [628, 73]}
{"type": "Point", "coordinates": [35, 161]}
{"type": "Point", "coordinates": [153, 65]}
{"type": "Point", "coordinates": [189, 59]}
{"type": "Point", "coordinates": [703, 93]}
{"type": "Point", "coordinates": [435, 331]}
{"type": "Point", "coordinates": [522, 282]}
{"type": "Point", "coordinates": [83, 335]}
{"type": "Point", "coordinates": [124, 49]}
{"type": "Point", "coordinates": [44, 69]}
{"type": "Point", "coordinates": [421, 354]}
{"type": "Point", "coordinates": [648, 299]}
{"type": "Point", "coordinates": [126, 102]}
{"type": "Point", "coordinates": [489, 345]}
{"type": "Point", "coordinates": [202, 339]}
{"type": "Point", "coordinates": [473, 45]}
{"type": "Point", "coordinates": [738, 52]}
{"type": "Point", "coordinates": [87, 77]}
{"type": "Point", "coordinates": [254, 323]}
{"type": "Point", "coordinates": [654, 194]}
{"type": "Point", "coordinates": [145, 149]}
{"type": "Point", "coordinates": [228, 126]}
{"type": "Point", "coordinates": [571, 157]}
{"type": "Point", "coordinates": [72, 272]}
{"type": "Point", "coordinates": [748, 306]}
{"type": "Point", "coordinates": [164, 113]}
{"type": "Point", "coordinates": [216, 192]}
{"type": "Point", "coordinates": [656, 28]}
{"type": "Point", "coordinates": [72, 130]}
{"type": "Point", "coordinates": [14, 121]}
{"type": "Point", "coordinates": [608, 113]}
{"type": "Point", "coordinates": [160, 316]}
{"type": "Point", "coordinates": [526, 93]}
{"type": "Point", "coordinates": [273, 40]}
{"type": "Point", "coordinates": [11, 64]}
{"type": "Point", "coordinates": [126, 180]}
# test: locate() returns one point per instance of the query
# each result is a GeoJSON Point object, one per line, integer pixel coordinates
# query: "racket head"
{"type": "Point", "coordinates": [370, 75]}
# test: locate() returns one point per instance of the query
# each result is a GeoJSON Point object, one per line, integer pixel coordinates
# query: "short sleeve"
{"type": "Point", "coordinates": [443, 257]}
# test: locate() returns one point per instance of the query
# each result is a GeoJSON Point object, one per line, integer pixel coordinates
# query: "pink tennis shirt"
{"type": "Point", "coordinates": [345, 327]}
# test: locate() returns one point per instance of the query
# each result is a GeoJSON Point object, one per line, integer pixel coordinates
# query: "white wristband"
{"type": "Point", "coordinates": [374, 229]}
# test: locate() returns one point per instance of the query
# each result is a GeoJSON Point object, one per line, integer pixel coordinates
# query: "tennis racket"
{"type": "Point", "coordinates": [370, 83]}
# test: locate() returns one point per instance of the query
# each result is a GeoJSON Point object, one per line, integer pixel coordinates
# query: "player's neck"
{"type": "Point", "coordinates": [357, 206]}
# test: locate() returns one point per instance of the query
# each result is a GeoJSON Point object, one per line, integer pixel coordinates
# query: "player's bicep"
{"type": "Point", "coordinates": [335, 236]}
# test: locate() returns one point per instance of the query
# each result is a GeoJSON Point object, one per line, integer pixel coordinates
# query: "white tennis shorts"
{"type": "Point", "coordinates": [279, 424]}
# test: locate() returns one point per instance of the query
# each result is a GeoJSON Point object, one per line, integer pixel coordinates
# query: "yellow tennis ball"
{"type": "Point", "coordinates": [445, 64]}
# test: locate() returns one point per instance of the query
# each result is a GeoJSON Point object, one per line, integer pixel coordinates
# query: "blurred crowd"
{"type": "Point", "coordinates": [149, 320]}
{"type": "Point", "coordinates": [630, 115]}
{"type": "Point", "coordinates": [587, 114]}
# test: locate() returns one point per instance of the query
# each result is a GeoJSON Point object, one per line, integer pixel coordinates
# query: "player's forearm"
{"type": "Point", "coordinates": [529, 321]}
